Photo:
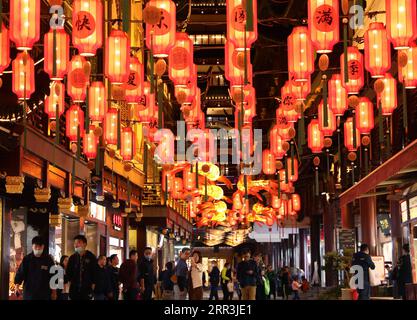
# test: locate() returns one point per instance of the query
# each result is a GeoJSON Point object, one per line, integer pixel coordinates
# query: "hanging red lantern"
{"type": "Point", "coordinates": [149, 114]}
{"type": "Point", "coordinates": [234, 65]}
{"type": "Point", "coordinates": [408, 74]}
{"type": "Point", "coordinates": [401, 22]}
{"type": "Point", "coordinates": [77, 80]}
{"type": "Point", "coordinates": [275, 201]}
{"type": "Point", "coordinates": [23, 78]}
{"type": "Point", "coordinates": [288, 98]}
{"type": "Point", "coordinates": [377, 50]}
{"type": "Point", "coordinates": [365, 116]}
{"type": "Point", "coordinates": [4, 49]}
{"type": "Point", "coordinates": [165, 153]}
{"type": "Point", "coordinates": [117, 64]}
{"type": "Point", "coordinates": [160, 36]}
{"type": "Point", "coordinates": [349, 138]}
{"type": "Point", "coordinates": [110, 126]}
{"type": "Point", "coordinates": [300, 54]}
{"type": "Point", "coordinates": [283, 209]}
{"type": "Point", "coordinates": [329, 127]}
{"type": "Point", "coordinates": [237, 28]}
{"type": "Point", "coordinates": [74, 118]}
{"type": "Point", "coordinates": [189, 179]}
{"type": "Point", "coordinates": [185, 94]}
{"type": "Point", "coordinates": [24, 23]}
{"type": "Point", "coordinates": [315, 137]}
{"type": "Point", "coordinates": [296, 202]}
{"type": "Point", "coordinates": [388, 97]}
{"type": "Point", "coordinates": [300, 90]}
{"type": "Point", "coordinates": [285, 184]}
{"type": "Point", "coordinates": [177, 188]}
{"type": "Point", "coordinates": [292, 174]}
{"type": "Point", "coordinates": [292, 115]}
{"type": "Point", "coordinates": [97, 101]}
{"type": "Point", "coordinates": [323, 24]}
{"type": "Point", "coordinates": [61, 53]}
{"type": "Point", "coordinates": [55, 100]}
{"type": "Point", "coordinates": [167, 181]}
{"type": "Point", "coordinates": [127, 144]}
{"type": "Point", "coordinates": [90, 142]}
{"type": "Point", "coordinates": [268, 162]}
{"type": "Point", "coordinates": [87, 26]}
{"type": "Point", "coordinates": [134, 84]}
{"type": "Point", "coordinates": [338, 97]}
{"type": "Point", "coordinates": [354, 70]}
{"type": "Point", "coordinates": [180, 60]}
{"type": "Point", "coordinates": [276, 143]}
{"type": "Point", "coordinates": [237, 201]}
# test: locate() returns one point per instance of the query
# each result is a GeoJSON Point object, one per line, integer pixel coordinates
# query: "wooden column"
{"type": "Point", "coordinates": [396, 230]}
{"type": "Point", "coordinates": [368, 222]}
{"type": "Point", "coordinates": [302, 249]}
{"type": "Point", "coordinates": [315, 240]}
{"type": "Point", "coordinates": [348, 221]}
{"type": "Point", "coordinates": [329, 222]}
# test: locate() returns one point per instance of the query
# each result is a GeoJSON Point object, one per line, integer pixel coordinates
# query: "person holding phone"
{"type": "Point", "coordinates": [196, 270]}
{"type": "Point", "coordinates": [247, 274]}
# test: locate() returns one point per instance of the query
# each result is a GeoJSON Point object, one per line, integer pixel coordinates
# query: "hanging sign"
{"type": "Point", "coordinates": [85, 25]}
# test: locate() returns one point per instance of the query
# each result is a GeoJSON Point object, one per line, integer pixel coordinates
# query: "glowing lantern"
{"type": "Point", "coordinates": [329, 127]}
{"type": "Point", "coordinates": [180, 60]}
{"type": "Point", "coordinates": [150, 113]}
{"type": "Point", "coordinates": [24, 23]}
{"type": "Point", "coordinates": [338, 97]}
{"type": "Point", "coordinates": [276, 143]}
{"type": "Point", "coordinates": [315, 137]}
{"type": "Point", "coordinates": [134, 84]}
{"type": "Point", "coordinates": [74, 121]}
{"type": "Point", "coordinates": [177, 187]}
{"type": "Point", "coordinates": [23, 79]}
{"type": "Point", "coordinates": [408, 74]}
{"type": "Point", "coordinates": [268, 162]}
{"type": "Point", "coordinates": [388, 97]}
{"type": "Point", "coordinates": [275, 201]}
{"type": "Point", "coordinates": [349, 138]}
{"type": "Point", "coordinates": [300, 90]}
{"type": "Point", "coordinates": [234, 65]}
{"type": "Point", "coordinates": [355, 70]}
{"type": "Point", "coordinates": [401, 22]}
{"type": "Point", "coordinates": [292, 165]}
{"type": "Point", "coordinates": [292, 115]}
{"type": "Point", "coordinates": [246, 94]}
{"type": "Point", "coordinates": [189, 179]}
{"type": "Point", "coordinates": [300, 54]}
{"type": "Point", "coordinates": [296, 202]}
{"type": "Point", "coordinates": [185, 94]}
{"type": "Point", "coordinates": [167, 181]}
{"type": "Point", "coordinates": [77, 80]}
{"type": "Point", "coordinates": [127, 145]}
{"type": "Point", "coordinates": [365, 116]}
{"type": "Point", "coordinates": [377, 50]}
{"type": "Point", "coordinates": [282, 211]}
{"type": "Point", "coordinates": [323, 24]}
{"type": "Point", "coordinates": [237, 201]}
{"type": "Point", "coordinates": [87, 26]}
{"type": "Point", "coordinates": [117, 64]}
{"type": "Point", "coordinates": [55, 100]}
{"type": "Point", "coordinates": [236, 23]}
{"type": "Point", "coordinates": [284, 183]}
{"type": "Point", "coordinates": [166, 147]}
{"type": "Point", "coordinates": [97, 101]}
{"type": "Point", "coordinates": [160, 37]}
{"type": "Point", "coordinates": [90, 143]}
{"type": "Point", "coordinates": [61, 54]}
{"type": "Point", "coordinates": [4, 49]}
{"type": "Point", "coordinates": [288, 98]}
{"type": "Point", "coordinates": [110, 126]}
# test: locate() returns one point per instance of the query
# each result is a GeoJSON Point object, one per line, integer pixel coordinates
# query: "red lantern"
{"type": "Point", "coordinates": [117, 64]}
{"type": "Point", "coordinates": [292, 165]}
{"type": "Point", "coordinates": [180, 60]}
{"type": "Point", "coordinates": [365, 116]}
{"type": "Point", "coordinates": [282, 211]}
{"type": "Point", "coordinates": [296, 202]}
{"type": "Point", "coordinates": [127, 145]}
{"type": "Point", "coordinates": [177, 188]}
{"type": "Point", "coordinates": [167, 181]}
{"type": "Point", "coordinates": [77, 80]}
{"type": "Point", "coordinates": [285, 184]}
{"type": "Point", "coordinates": [55, 100]}
{"type": "Point", "coordinates": [300, 54]}
{"type": "Point", "coordinates": [315, 137]}
{"type": "Point", "coordinates": [110, 126]}
{"type": "Point", "coordinates": [97, 101]}
{"type": "Point", "coordinates": [268, 162]}
{"type": "Point", "coordinates": [348, 133]}
{"type": "Point", "coordinates": [189, 179]}
{"type": "Point", "coordinates": [160, 37]}
{"type": "Point", "coordinates": [150, 113]}
{"type": "Point", "coordinates": [134, 84]}
{"type": "Point", "coordinates": [276, 143]}
{"type": "Point", "coordinates": [23, 79]}
{"type": "Point", "coordinates": [408, 74]}
{"type": "Point", "coordinates": [90, 142]}
{"type": "Point", "coordinates": [237, 23]}
{"type": "Point", "coordinates": [87, 26]}
{"type": "Point", "coordinates": [300, 90]}
{"type": "Point", "coordinates": [165, 152]}
{"type": "Point", "coordinates": [323, 24]}
{"type": "Point", "coordinates": [275, 201]}
{"type": "Point", "coordinates": [237, 201]}
{"type": "Point", "coordinates": [338, 97]}
{"type": "Point", "coordinates": [292, 115]}
{"type": "Point", "coordinates": [186, 93]}
{"type": "Point", "coordinates": [74, 118]}
{"type": "Point", "coordinates": [388, 97]}
{"type": "Point", "coordinates": [355, 70]}
{"type": "Point", "coordinates": [61, 54]}
{"type": "Point", "coordinates": [377, 50]}
{"type": "Point", "coordinates": [24, 23]}
{"type": "Point", "coordinates": [401, 22]}
{"type": "Point", "coordinates": [330, 127]}
{"type": "Point", "coordinates": [234, 65]}
{"type": "Point", "coordinates": [4, 49]}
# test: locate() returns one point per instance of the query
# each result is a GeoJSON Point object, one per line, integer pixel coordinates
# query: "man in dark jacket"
{"type": "Point", "coordinates": [260, 285]}
{"type": "Point", "coordinates": [80, 270]}
{"type": "Point", "coordinates": [146, 274]}
{"type": "Point", "coordinates": [128, 276]}
{"type": "Point", "coordinates": [101, 280]}
{"type": "Point", "coordinates": [181, 271]}
{"type": "Point", "coordinates": [34, 273]}
{"type": "Point", "coordinates": [113, 271]}
{"type": "Point", "coordinates": [363, 259]}
{"type": "Point", "coordinates": [214, 281]}
{"type": "Point", "coordinates": [247, 273]}
{"type": "Point", "coordinates": [405, 274]}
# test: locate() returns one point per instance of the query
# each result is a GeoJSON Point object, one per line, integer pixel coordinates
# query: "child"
{"type": "Point", "coordinates": [305, 285]}
{"type": "Point", "coordinates": [295, 287]}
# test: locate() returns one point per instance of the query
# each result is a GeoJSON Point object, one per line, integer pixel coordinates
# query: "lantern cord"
{"type": "Point", "coordinates": [354, 130]}
{"type": "Point", "coordinates": [345, 55]}
{"type": "Point", "coordinates": [380, 130]}
{"type": "Point", "coordinates": [316, 180]}
{"type": "Point", "coordinates": [405, 113]}
{"type": "Point", "coordinates": [353, 173]}
{"type": "Point", "coordinates": [365, 155]}
{"type": "Point", "coordinates": [301, 132]}
{"type": "Point", "coordinates": [128, 190]}
{"type": "Point", "coordinates": [118, 129]}
{"type": "Point", "coordinates": [54, 46]}
{"type": "Point", "coordinates": [205, 189]}
{"type": "Point", "coordinates": [339, 147]}
{"type": "Point", "coordinates": [166, 189]}
{"type": "Point", "coordinates": [325, 110]}
{"type": "Point", "coordinates": [78, 142]}
{"type": "Point", "coordinates": [292, 158]}
{"type": "Point", "coordinates": [87, 113]}
{"type": "Point", "coordinates": [145, 161]}
{"type": "Point", "coordinates": [286, 170]}
{"type": "Point", "coordinates": [126, 15]}
{"type": "Point", "coordinates": [152, 66]}
{"type": "Point", "coordinates": [73, 175]}
{"type": "Point", "coordinates": [196, 175]}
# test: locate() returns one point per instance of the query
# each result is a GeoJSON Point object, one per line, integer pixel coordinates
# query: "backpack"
{"type": "Point", "coordinates": [266, 285]}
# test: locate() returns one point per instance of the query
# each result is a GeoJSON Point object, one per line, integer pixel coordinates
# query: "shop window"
{"type": "Point", "coordinates": [98, 212]}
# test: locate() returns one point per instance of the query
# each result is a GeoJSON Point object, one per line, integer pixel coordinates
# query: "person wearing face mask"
{"type": "Point", "coordinates": [214, 281]}
{"type": "Point", "coordinates": [101, 281]}
{"type": "Point", "coordinates": [80, 270]}
{"type": "Point", "coordinates": [34, 273]}
{"type": "Point", "coordinates": [146, 274]}
{"type": "Point", "coordinates": [364, 260]}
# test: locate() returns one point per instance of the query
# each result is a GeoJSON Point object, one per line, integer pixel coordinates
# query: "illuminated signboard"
{"type": "Point", "coordinates": [117, 221]}
{"type": "Point", "coordinates": [404, 211]}
{"type": "Point", "coordinates": [413, 207]}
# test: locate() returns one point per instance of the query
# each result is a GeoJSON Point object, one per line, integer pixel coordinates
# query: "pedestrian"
{"type": "Point", "coordinates": [364, 260]}
{"type": "Point", "coordinates": [113, 272]}
{"type": "Point", "coordinates": [295, 285]}
{"type": "Point", "coordinates": [147, 275]}
{"type": "Point", "coordinates": [272, 277]}
{"type": "Point", "coordinates": [247, 274]}
{"type": "Point", "coordinates": [214, 281]}
{"type": "Point", "coordinates": [305, 285]}
{"type": "Point", "coordinates": [80, 270]}
{"type": "Point", "coordinates": [34, 273]}
{"type": "Point", "coordinates": [63, 294]}
{"type": "Point", "coordinates": [226, 279]}
{"type": "Point", "coordinates": [167, 283]}
{"type": "Point", "coordinates": [128, 276]}
{"type": "Point", "coordinates": [285, 283]}
{"type": "Point", "coordinates": [101, 280]}
{"type": "Point", "coordinates": [260, 284]}
{"type": "Point", "coordinates": [196, 282]}
{"type": "Point", "coordinates": [404, 274]}
{"type": "Point", "coordinates": [181, 272]}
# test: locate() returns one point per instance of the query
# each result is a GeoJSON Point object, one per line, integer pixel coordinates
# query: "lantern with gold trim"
{"type": "Point", "coordinates": [90, 142]}
{"type": "Point", "coordinates": [241, 30]}
{"type": "Point", "coordinates": [300, 54]}
{"type": "Point", "coordinates": [351, 142]}
{"type": "Point", "coordinates": [315, 137]}
{"type": "Point", "coordinates": [338, 97]}
{"type": "Point", "coordinates": [377, 50]}
{"type": "Point", "coordinates": [354, 70]}
{"type": "Point", "coordinates": [408, 74]}
{"type": "Point", "coordinates": [180, 60]}
{"type": "Point", "coordinates": [24, 23]}
{"type": "Point", "coordinates": [127, 145]}
{"type": "Point", "coordinates": [61, 56]}
{"type": "Point", "coordinates": [4, 48]}
{"type": "Point", "coordinates": [110, 126]}
{"type": "Point", "coordinates": [97, 101]}
{"type": "Point", "coordinates": [268, 162]}
{"type": "Point", "coordinates": [77, 80]}
{"type": "Point", "coordinates": [134, 84]}
{"type": "Point", "coordinates": [117, 63]}
{"type": "Point", "coordinates": [74, 118]}
{"type": "Point", "coordinates": [364, 116]}
{"type": "Point", "coordinates": [56, 99]}
{"type": "Point", "coordinates": [388, 97]}
{"type": "Point", "coordinates": [23, 77]}
{"type": "Point", "coordinates": [401, 22]}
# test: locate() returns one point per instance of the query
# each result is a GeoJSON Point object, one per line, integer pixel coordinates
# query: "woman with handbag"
{"type": "Point", "coordinates": [196, 277]}
{"type": "Point", "coordinates": [226, 279]}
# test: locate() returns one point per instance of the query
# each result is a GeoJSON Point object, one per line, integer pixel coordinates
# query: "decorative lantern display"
{"type": "Point", "coordinates": [4, 49]}
{"type": "Point", "coordinates": [300, 54]}
{"type": "Point", "coordinates": [237, 201]}
{"type": "Point", "coordinates": [377, 50]}
{"type": "Point", "coordinates": [61, 55]}
{"type": "Point", "coordinates": [134, 84]}
{"type": "Point", "coordinates": [283, 209]}
{"type": "Point", "coordinates": [74, 118]}
{"type": "Point", "coordinates": [275, 201]}
{"type": "Point", "coordinates": [234, 65]}
{"type": "Point", "coordinates": [338, 97]}
{"type": "Point", "coordinates": [401, 22]}
{"type": "Point", "coordinates": [268, 162]}
{"type": "Point", "coordinates": [166, 147]}
{"type": "Point", "coordinates": [87, 26]}
{"type": "Point", "coordinates": [408, 74]}
{"type": "Point", "coordinates": [160, 37]}
{"type": "Point", "coordinates": [180, 60]}
{"type": "Point", "coordinates": [90, 142]}
{"type": "Point", "coordinates": [189, 179]}
{"type": "Point", "coordinates": [291, 115]}
{"type": "Point", "coordinates": [350, 144]}
{"type": "Point", "coordinates": [237, 20]}
{"type": "Point", "coordinates": [315, 137]}
{"type": "Point", "coordinates": [285, 128]}
{"type": "Point", "coordinates": [77, 80]}
{"type": "Point", "coordinates": [185, 94]}
{"type": "Point", "coordinates": [248, 114]}
{"type": "Point", "coordinates": [56, 99]}
{"type": "Point", "coordinates": [23, 78]}
{"type": "Point", "coordinates": [247, 93]}
{"type": "Point", "coordinates": [292, 165]}
{"type": "Point", "coordinates": [110, 126]}
{"type": "Point", "coordinates": [388, 97]}
{"type": "Point", "coordinates": [149, 114]}
{"type": "Point", "coordinates": [167, 181]}
{"type": "Point", "coordinates": [355, 70]}
{"type": "Point", "coordinates": [127, 145]}
{"type": "Point", "coordinates": [323, 24]}
{"type": "Point", "coordinates": [25, 23]}
{"type": "Point", "coordinates": [364, 116]}
{"type": "Point", "coordinates": [117, 64]}
{"type": "Point", "coordinates": [326, 126]}
{"type": "Point", "coordinates": [296, 202]}
{"type": "Point", "coordinates": [177, 188]}
{"type": "Point", "coordinates": [300, 90]}
{"type": "Point", "coordinates": [285, 184]}
{"type": "Point", "coordinates": [276, 143]}
{"type": "Point", "coordinates": [97, 101]}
